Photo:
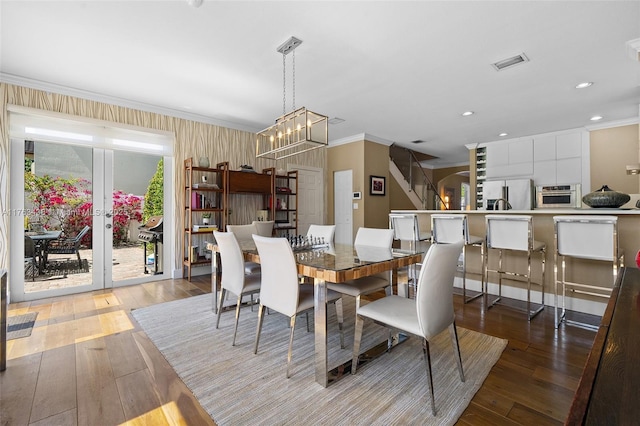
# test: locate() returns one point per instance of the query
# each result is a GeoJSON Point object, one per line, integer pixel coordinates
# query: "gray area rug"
{"type": "Point", "coordinates": [20, 325]}
{"type": "Point", "coordinates": [237, 387]}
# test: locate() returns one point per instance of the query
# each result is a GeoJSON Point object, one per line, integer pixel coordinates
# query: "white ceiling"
{"type": "Point", "coordinates": [397, 71]}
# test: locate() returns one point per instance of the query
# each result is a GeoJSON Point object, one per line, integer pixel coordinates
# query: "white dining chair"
{"type": "Point", "coordinates": [264, 228]}
{"type": "Point", "coordinates": [234, 279]}
{"type": "Point", "coordinates": [243, 234]}
{"type": "Point", "coordinates": [324, 232]}
{"type": "Point", "coordinates": [280, 290]}
{"type": "Point", "coordinates": [427, 316]}
{"type": "Point", "coordinates": [367, 237]}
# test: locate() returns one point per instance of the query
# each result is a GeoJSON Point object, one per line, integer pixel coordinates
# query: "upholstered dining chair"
{"type": "Point", "coordinates": [243, 235]}
{"type": "Point", "coordinates": [280, 290]}
{"type": "Point", "coordinates": [264, 228]}
{"type": "Point", "coordinates": [367, 237]}
{"type": "Point", "coordinates": [324, 232]}
{"type": "Point", "coordinates": [426, 316]}
{"type": "Point", "coordinates": [234, 279]}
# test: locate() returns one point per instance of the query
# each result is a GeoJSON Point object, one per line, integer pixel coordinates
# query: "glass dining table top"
{"type": "Point", "coordinates": [341, 257]}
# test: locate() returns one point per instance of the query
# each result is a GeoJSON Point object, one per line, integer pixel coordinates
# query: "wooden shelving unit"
{"type": "Point", "coordinates": [283, 204]}
{"type": "Point", "coordinates": [201, 198]}
{"type": "Point", "coordinates": [279, 194]}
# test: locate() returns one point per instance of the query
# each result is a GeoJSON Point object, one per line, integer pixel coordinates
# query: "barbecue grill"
{"type": "Point", "coordinates": [151, 233]}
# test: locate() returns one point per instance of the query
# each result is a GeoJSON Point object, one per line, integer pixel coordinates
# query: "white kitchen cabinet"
{"type": "Point", "coordinates": [521, 151]}
{"type": "Point", "coordinates": [569, 145]}
{"type": "Point", "coordinates": [568, 171]}
{"type": "Point", "coordinates": [497, 155]}
{"type": "Point", "coordinates": [544, 148]}
{"type": "Point", "coordinates": [544, 172]}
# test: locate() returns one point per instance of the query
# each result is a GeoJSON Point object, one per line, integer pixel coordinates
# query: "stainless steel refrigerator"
{"type": "Point", "coordinates": [519, 194]}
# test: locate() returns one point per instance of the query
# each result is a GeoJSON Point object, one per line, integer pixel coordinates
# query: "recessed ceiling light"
{"type": "Point", "coordinates": [596, 118]}
{"type": "Point", "coordinates": [503, 134]}
{"type": "Point", "coordinates": [467, 113]}
{"type": "Point", "coordinates": [584, 85]}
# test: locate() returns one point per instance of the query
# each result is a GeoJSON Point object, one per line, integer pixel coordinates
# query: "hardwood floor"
{"type": "Point", "coordinates": [88, 363]}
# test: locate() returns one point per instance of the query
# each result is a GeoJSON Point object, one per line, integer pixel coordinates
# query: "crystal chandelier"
{"type": "Point", "coordinates": [295, 132]}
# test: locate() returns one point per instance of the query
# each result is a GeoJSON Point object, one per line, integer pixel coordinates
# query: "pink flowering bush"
{"type": "Point", "coordinates": [66, 204]}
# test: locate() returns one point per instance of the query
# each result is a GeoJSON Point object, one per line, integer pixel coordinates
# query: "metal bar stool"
{"type": "Point", "coordinates": [584, 237]}
{"type": "Point", "coordinates": [407, 228]}
{"type": "Point", "coordinates": [447, 228]}
{"type": "Point", "coordinates": [513, 233]}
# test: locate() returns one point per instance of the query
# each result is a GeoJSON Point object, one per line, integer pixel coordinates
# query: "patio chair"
{"type": "Point", "coordinates": [68, 245]}
{"type": "Point", "coordinates": [30, 264]}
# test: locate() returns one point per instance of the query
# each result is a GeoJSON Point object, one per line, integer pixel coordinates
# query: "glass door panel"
{"type": "Point", "coordinates": [58, 217]}
{"type": "Point", "coordinates": [137, 196]}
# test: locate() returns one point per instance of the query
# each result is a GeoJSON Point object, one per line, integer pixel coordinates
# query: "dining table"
{"type": "Point", "coordinates": [335, 263]}
{"type": "Point", "coordinates": [41, 240]}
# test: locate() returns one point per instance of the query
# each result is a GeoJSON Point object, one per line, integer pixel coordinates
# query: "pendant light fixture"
{"type": "Point", "coordinates": [295, 132]}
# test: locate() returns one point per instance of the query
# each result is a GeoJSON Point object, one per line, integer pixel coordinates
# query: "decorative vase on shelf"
{"type": "Point", "coordinates": [203, 162]}
{"type": "Point", "coordinates": [606, 197]}
{"type": "Point", "coordinates": [205, 220]}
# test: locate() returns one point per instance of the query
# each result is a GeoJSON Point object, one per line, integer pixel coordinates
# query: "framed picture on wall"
{"type": "Point", "coordinates": [376, 185]}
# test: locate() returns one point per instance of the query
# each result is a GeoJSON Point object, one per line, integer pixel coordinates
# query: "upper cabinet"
{"type": "Point", "coordinates": [559, 158]}
{"type": "Point", "coordinates": [510, 159]}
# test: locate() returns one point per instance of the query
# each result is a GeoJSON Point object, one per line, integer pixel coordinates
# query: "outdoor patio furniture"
{"type": "Point", "coordinates": [30, 264]}
{"type": "Point", "coordinates": [68, 245]}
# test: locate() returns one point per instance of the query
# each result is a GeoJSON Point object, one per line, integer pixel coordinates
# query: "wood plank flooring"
{"type": "Point", "coordinates": [87, 362]}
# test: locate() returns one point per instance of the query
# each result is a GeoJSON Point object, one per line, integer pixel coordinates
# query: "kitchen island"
{"type": "Point", "coordinates": [580, 270]}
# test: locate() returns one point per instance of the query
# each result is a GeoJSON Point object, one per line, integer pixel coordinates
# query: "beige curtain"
{"type": "Point", "coordinates": [192, 140]}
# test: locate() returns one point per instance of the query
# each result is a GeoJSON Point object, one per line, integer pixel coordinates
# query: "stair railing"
{"type": "Point", "coordinates": [419, 182]}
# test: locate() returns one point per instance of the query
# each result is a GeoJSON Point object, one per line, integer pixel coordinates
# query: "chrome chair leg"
{"type": "Point", "coordinates": [235, 328]}
{"type": "Point", "coordinates": [427, 360]}
{"type": "Point", "coordinates": [259, 329]}
{"type": "Point", "coordinates": [456, 347]}
{"type": "Point", "coordinates": [223, 294]}
{"type": "Point", "coordinates": [293, 327]}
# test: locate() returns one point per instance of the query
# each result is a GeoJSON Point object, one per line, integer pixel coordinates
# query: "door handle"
{"type": "Point", "coordinates": [108, 226]}
{"type": "Point", "coordinates": [108, 214]}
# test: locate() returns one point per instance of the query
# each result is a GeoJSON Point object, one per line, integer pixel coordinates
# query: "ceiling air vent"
{"type": "Point", "coordinates": [509, 62]}
{"type": "Point", "coordinates": [418, 141]}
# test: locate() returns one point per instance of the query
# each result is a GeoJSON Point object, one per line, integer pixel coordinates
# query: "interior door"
{"type": "Point", "coordinates": [310, 197]}
{"type": "Point", "coordinates": [343, 213]}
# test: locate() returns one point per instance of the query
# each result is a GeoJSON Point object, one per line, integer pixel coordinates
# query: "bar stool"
{"type": "Point", "coordinates": [447, 228]}
{"type": "Point", "coordinates": [584, 237]}
{"type": "Point", "coordinates": [406, 228]}
{"type": "Point", "coordinates": [513, 233]}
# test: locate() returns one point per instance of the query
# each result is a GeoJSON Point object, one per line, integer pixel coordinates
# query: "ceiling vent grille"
{"type": "Point", "coordinates": [510, 62]}
{"type": "Point", "coordinates": [417, 141]}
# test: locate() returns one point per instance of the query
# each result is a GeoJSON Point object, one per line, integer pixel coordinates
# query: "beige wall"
{"type": "Point", "coordinates": [364, 159]}
{"type": "Point", "coordinates": [376, 207]}
{"type": "Point", "coordinates": [611, 150]}
{"type": "Point", "coordinates": [398, 199]}
{"type": "Point", "coordinates": [192, 139]}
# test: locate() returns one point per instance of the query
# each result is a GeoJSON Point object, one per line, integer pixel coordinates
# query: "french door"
{"type": "Point", "coordinates": [75, 210]}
